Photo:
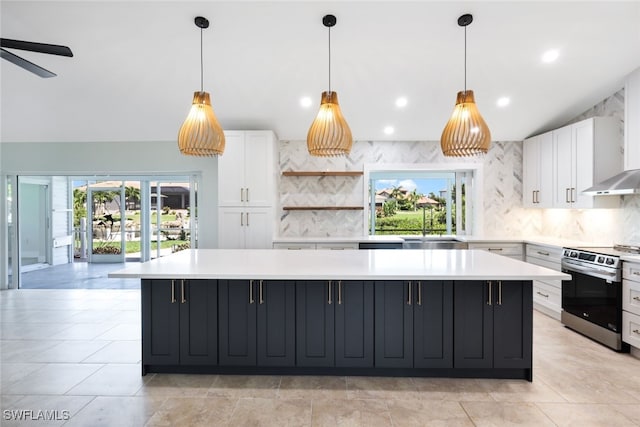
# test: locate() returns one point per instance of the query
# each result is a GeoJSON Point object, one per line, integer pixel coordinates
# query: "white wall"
{"type": "Point", "coordinates": [118, 158]}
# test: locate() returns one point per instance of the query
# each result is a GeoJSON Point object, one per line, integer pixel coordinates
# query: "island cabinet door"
{"type": "Point", "coordinates": [198, 322]}
{"type": "Point", "coordinates": [473, 324]}
{"type": "Point", "coordinates": [237, 322]}
{"type": "Point", "coordinates": [160, 323]}
{"type": "Point", "coordinates": [354, 323]}
{"type": "Point", "coordinates": [433, 324]}
{"type": "Point", "coordinates": [276, 323]}
{"type": "Point", "coordinates": [512, 324]}
{"type": "Point", "coordinates": [393, 324]}
{"type": "Point", "coordinates": [315, 323]}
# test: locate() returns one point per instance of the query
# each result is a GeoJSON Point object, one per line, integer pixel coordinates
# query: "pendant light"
{"type": "Point", "coordinates": [329, 134]}
{"type": "Point", "coordinates": [201, 134]}
{"type": "Point", "coordinates": [466, 133]}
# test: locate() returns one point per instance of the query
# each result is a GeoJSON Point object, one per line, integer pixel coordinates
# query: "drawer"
{"type": "Point", "coordinates": [513, 250]}
{"type": "Point", "coordinates": [553, 265]}
{"type": "Point", "coordinates": [631, 271]}
{"type": "Point", "coordinates": [545, 254]}
{"type": "Point", "coordinates": [548, 294]}
{"type": "Point", "coordinates": [337, 246]}
{"type": "Point", "coordinates": [631, 296]}
{"type": "Point", "coordinates": [294, 246]}
{"type": "Point", "coordinates": [631, 328]}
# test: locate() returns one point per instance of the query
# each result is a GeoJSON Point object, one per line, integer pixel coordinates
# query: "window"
{"type": "Point", "coordinates": [419, 202]}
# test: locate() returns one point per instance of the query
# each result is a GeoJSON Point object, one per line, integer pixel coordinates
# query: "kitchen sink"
{"type": "Point", "coordinates": [433, 243]}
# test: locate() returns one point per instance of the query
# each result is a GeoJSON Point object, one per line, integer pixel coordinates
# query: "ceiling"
{"type": "Point", "coordinates": [136, 65]}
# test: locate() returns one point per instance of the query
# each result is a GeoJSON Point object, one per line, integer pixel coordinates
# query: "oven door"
{"type": "Point", "coordinates": [592, 298]}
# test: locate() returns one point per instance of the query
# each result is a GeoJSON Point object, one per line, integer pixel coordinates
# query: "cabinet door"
{"type": "Point", "coordinates": [276, 323]}
{"type": "Point", "coordinates": [512, 324]}
{"type": "Point", "coordinates": [314, 323]}
{"type": "Point", "coordinates": [231, 182]}
{"type": "Point", "coordinates": [473, 324]}
{"type": "Point", "coordinates": [632, 121]}
{"type": "Point", "coordinates": [433, 325]}
{"type": "Point", "coordinates": [393, 324]}
{"type": "Point", "coordinates": [258, 228]}
{"type": "Point", "coordinates": [231, 228]}
{"type": "Point", "coordinates": [582, 133]}
{"type": "Point", "coordinates": [530, 171]}
{"type": "Point", "coordinates": [259, 168]}
{"type": "Point", "coordinates": [354, 324]}
{"type": "Point", "coordinates": [160, 323]}
{"type": "Point", "coordinates": [237, 322]}
{"type": "Point", "coordinates": [564, 165]}
{"type": "Point", "coordinates": [545, 173]}
{"type": "Point", "coordinates": [198, 322]}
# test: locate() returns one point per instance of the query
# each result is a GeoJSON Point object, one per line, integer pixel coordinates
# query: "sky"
{"type": "Point", "coordinates": [424, 186]}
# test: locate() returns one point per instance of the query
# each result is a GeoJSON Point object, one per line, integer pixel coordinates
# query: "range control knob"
{"type": "Point", "coordinates": [610, 261]}
{"type": "Point", "coordinates": [573, 254]}
{"type": "Point", "coordinates": [601, 259]}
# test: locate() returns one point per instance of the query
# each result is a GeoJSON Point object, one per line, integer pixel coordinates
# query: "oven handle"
{"type": "Point", "coordinates": [614, 277]}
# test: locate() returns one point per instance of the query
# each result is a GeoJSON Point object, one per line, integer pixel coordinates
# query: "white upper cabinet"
{"type": "Point", "coordinates": [585, 153]}
{"type": "Point", "coordinates": [632, 121]}
{"type": "Point", "coordinates": [537, 168]}
{"type": "Point", "coordinates": [246, 170]}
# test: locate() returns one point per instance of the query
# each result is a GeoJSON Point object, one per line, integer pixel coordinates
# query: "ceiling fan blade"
{"type": "Point", "coordinates": [52, 49]}
{"type": "Point", "coordinates": [27, 65]}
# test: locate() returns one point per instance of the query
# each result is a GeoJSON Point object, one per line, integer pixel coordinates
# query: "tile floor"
{"type": "Point", "coordinates": [77, 352]}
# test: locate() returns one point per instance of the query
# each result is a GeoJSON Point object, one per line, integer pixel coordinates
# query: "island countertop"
{"type": "Point", "coordinates": [276, 264]}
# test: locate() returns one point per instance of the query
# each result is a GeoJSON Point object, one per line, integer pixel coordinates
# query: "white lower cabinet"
{"type": "Point", "coordinates": [509, 249]}
{"type": "Point", "coordinates": [316, 245]}
{"type": "Point", "coordinates": [245, 228]}
{"type": "Point", "coordinates": [631, 303]}
{"type": "Point", "coordinates": [547, 294]}
{"type": "Point", "coordinates": [294, 246]}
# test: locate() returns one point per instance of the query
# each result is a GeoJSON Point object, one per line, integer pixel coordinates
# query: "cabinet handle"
{"type": "Point", "coordinates": [173, 291]}
{"type": "Point", "coordinates": [251, 300]}
{"type": "Point", "coordinates": [182, 298]}
{"type": "Point", "coordinates": [494, 249]}
{"type": "Point", "coordinates": [543, 253]}
{"type": "Point", "coordinates": [566, 195]}
{"type": "Point", "coordinates": [490, 296]}
{"type": "Point", "coordinates": [242, 194]}
{"type": "Point", "coordinates": [499, 292]}
{"type": "Point", "coordinates": [533, 196]}
{"type": "Point", "coordinates": [573, 191]}
{"type": "Point", "coordinates": [247, 194]}
{"type": "Point", "coordinates": [247, 213]}
{"type": "Point", "coordinates": [409, 283]}
{"type": "Point", "coordinates": [636, 331]}
{"type": "Point", "coordinates": [261, 297]}
{"type": "Point", "coordinates": [636, 298]}
{"type": "Point", "coordinates": [544, 295]}
{"type": "Point", "coordinates": [329, 292]}
{"type": "Point", "coordinates": [339, 291]}
{"type": "Point", "coordinates": [241, 219]}
{"type": "Point", "coordinates": [636, 273]}
{"type": "Point", "coordinates": [419, 293]}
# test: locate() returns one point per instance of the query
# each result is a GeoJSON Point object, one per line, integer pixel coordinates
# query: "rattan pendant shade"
{"type": "Point", "coordinates": [201, 134]}
{"type": "Point", "coordinates": [466, 133]}
{"type": "Point", "coordinates": [329, 134]}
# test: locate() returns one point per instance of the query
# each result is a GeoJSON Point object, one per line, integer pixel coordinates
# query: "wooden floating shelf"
{"type": "Point", "coordinates": [322, 173]}
{"type": "Point", "coordinates": [322, 208]}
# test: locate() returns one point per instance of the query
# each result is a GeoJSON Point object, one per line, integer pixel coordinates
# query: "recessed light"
{"type": "Point", "coordinates": [550, 56]}
{"type": "Point", "coordinates": [401, 102]}
{"type": "Point", "coordinates": [388, 130]}
{"type": "Point", "coordinates": [306, 101]}
{"type": "Point", "coordinates": [503, 101]}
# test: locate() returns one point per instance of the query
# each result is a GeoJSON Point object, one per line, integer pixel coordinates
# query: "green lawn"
{"type": "Point", "coordinates": [132, 247]}
{"type": "Point", "coordinates": [410, 223]}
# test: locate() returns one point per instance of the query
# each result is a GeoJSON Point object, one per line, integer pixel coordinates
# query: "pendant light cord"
{"type": "Point", "coordinates": [329, 59]}
{"type": "Point", "coordinates": [201, 65]}
{"type": "Point", "coordinates": [465, 60]}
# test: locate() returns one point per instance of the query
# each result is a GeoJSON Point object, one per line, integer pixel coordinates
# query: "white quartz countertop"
{"type": "Point", "coordinates": [353, 239]}
{"type": "Point", "coordinates": [630, 258]}
{"type": "Point", "coordinates": [381, 264]}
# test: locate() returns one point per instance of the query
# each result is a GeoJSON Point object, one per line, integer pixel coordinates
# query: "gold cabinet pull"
{"type": "Point", "coordinates": [419, 293]}
{"type": "Point", "coordinates": [261, 298]}
{"type": "Point", "coordinates": [329, 292]}
{"type": "Point", "coordinates": [173, 291]}
{"type": "Point", "coordinates": [251, 300]}
{"type": "Point", "coordinates": [182, 298]}
{"type": "Point", "coordinates": [499, 292]}
{"type": "Point", "coordinates": [490, 297]}
{"type": "Point", "coordinates": [409, 283]}
{"type": "Point", "coordinates": [339, 291]}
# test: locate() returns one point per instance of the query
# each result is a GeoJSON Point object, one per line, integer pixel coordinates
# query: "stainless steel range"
{"type": "Point", "coordinates": [592, 299]}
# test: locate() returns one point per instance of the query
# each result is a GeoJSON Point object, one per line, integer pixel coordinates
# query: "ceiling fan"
{"type": "Point", "coordinates": [52, 49]}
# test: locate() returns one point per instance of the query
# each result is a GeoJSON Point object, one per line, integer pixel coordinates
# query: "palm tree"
{"type": "Point", "coordinates": [396, 193]}
{"type": "Point", "coordinates": [413, 198]}
{"type": "Point", "coordinates": [131, 195]}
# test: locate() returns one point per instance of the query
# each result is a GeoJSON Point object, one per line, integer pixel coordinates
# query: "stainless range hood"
{"type": "Point", "coordinates": [627, 182]}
